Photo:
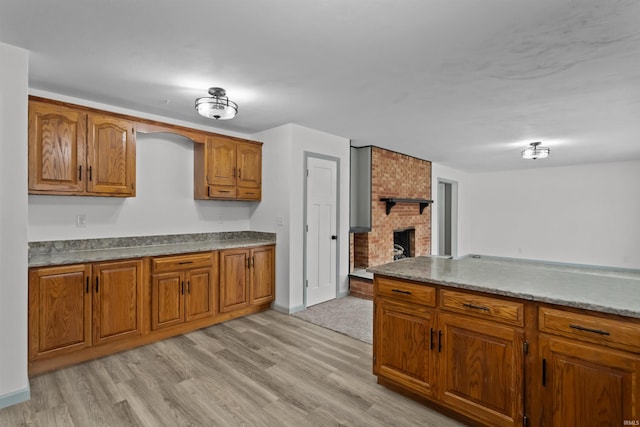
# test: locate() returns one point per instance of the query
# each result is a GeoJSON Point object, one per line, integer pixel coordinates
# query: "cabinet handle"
{"type": "Point", "coordinates": [185, 262]}
{"type": "Point", "coordinates": [400, 291]}
{"type": "Point", "coordinates": [182, 287]}
{"type": "Point", "coordinates": [252, 261]}
{"type": "Point", "coordinates": [87, 285]}
{"type": "Point", "coordinates": [80, 173]}
{"type": "Point", "coordinates": [431, 343]}
{"type": "Point", "coordinates": [224, 191]}
{"type": "Point", "coordinates": [97, 284]}
{"type": "Point", "coordinates": [248, 262]}
{"type": "Point", "coordinates": [476, 307]}
{"type": "Point", "coordinates": [90, 173]}
{"type": "Point", "coordinates": [239, 173]}
{"type": "Point", "coordinates": [234, 172]}
{"type": "Point", "coordinates": [439, 341]}
{"type": "Point", "coordinates": [544, 372]}
{"type": "Point", "coordinates": [583, 329]}
{"type": "Point", "coordinates": [188, 286]}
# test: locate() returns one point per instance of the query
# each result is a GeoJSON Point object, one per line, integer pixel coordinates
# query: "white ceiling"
{"type": "Point", "coordinates": [465, 83]}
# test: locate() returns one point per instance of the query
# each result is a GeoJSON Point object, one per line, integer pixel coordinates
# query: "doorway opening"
{"type": "Point", "coordinates": [447, 217]}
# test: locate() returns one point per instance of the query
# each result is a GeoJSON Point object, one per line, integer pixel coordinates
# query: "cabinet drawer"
{"type": "Point", "coordinates": [181, 262]}
{"type": "Point", "coordinates": [405, 291]}
{"type": "Point", "coordinates": [586, 327]}
{"type": "Point", "coordinates": [249, 194]}
{"type": "Point", "coordinates": [485, 307]}
{"type": "Point", "coordinates": [220, 192]}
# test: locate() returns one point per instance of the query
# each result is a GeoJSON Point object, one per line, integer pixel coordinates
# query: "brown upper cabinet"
{"type": "Point", "coordinates": [228, 168]}
{"type": "Point", "coordinates": [76, 152]}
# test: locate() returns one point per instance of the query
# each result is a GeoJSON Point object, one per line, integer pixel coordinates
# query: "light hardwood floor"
{"type": "Point", "coordinates": [267, 369]}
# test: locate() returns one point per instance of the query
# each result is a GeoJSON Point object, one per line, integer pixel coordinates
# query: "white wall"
{"type": "Point", "coordinates": [14, 384]}
{"type": "Point", "coordinates": [163, 204]}
{"type": "Point", "coordinates": [464, 208]}
{"type": "Point", "coordinates": [276, 180]}
{"type": "Point", "coordinates": [584, 214]}
{"type": "Point", "coordinates": [283, 173]}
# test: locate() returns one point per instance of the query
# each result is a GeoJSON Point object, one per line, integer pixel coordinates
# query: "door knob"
{"type": "Point", "coordinates": [334, 237]}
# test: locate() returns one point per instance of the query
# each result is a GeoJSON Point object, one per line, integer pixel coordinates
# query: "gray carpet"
{"type": "Point", "coordinates": [349, 315]}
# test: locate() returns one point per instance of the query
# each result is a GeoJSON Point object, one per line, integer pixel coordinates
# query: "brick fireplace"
{"type": "Point", "coordinates": [399, 176]}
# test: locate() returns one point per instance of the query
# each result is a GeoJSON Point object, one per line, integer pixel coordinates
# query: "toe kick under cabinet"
{"type": "Point", "coordinates": [79, 312]}
{"type": "Point", "coordinates": [499, 361]}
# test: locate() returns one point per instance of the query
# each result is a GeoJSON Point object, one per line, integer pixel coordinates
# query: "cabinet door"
{"type": "Point", "coordinates": [404, 345]}
{"type": "Point", "coordinates": [167, 300]}
{"type": "Point", "coordinates": [59, 310]}
{"type": "Point", "coordinates": [111, 156]}
{"type": "Point", "coordinates": [249, 165]}
{"type": "Point", "coordinates": [56, 149]}
{"type": "Point", "coordinates": [234, 279]}
{"type": "Point", "coordinates": [117, 300]}
{"type": "Point", "coordinates": [262, 275]}
{"type": "Point", "coordinates": [220, 161]}
{"type": "Point", "coordinates": [199, 296]}
{"type": "Point", "coordinates": [585, 384]}
{"type": "Point", "coordinates": [481, 369]}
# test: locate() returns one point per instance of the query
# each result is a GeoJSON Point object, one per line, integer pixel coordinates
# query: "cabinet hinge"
{"type": "Point", "coordinates": [307, 227]}
{"type": "Point", "coordinates": [374, 358]}
{"type": "Point", "coordinates": [307, 172]}
{"type": "Point", "coordinates": [525, 421]}
{"type": "Point", "coordinates": [525, 347]}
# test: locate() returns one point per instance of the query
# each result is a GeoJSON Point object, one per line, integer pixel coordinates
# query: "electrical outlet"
{"type": "Point", "coordinates": [280, 221]}
{"type": "Point", "coordinates": [220, 218]}
{"type": "Point", "coordinates": [81, 220]}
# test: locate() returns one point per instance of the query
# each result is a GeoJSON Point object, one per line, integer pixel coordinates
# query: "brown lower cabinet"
{"type": "Point", "coordinates": [83, 311]}
{"type": "Point", "coordinates": [247, 277]}
{"type": "Point", "coordinates": [498, 361]}
{"type": "Point", "coordinates": [183, 289]}
{"type": "Point", "coordinates": [64, 303]}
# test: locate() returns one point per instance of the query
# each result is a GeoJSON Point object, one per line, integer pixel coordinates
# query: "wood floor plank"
{"type": "Point", "coordinates": [266, 369]}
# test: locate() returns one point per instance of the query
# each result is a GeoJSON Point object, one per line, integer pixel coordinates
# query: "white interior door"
{"type": "Point", "coordinates": [322, 215]}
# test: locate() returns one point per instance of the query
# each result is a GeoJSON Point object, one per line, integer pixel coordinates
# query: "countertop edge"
{"type": "Point", "coordinates": [527, 296]}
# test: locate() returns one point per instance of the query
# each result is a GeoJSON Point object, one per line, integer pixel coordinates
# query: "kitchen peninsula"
{"type": "Point", "coordinates": [506, 342]}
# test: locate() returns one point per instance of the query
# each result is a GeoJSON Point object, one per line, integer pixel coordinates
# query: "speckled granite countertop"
{"type": "Point", "coordinates": [606, 290]}
{"type": "Point", "coordinates": [91, 250]}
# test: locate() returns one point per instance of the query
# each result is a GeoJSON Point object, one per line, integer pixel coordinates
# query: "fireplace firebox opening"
{"type": "Point", "coordinates": [403, 243]}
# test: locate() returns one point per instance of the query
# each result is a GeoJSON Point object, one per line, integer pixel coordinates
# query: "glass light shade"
{"type": "Point", "coordinates": [535, 152]}
{"type": "Point", "coordinates": [217, 107]}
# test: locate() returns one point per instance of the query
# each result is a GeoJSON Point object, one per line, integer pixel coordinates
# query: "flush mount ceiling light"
{"type": "Point", "coordinates": [535, 151]}
{"type": "Point", "coordinates": [217, 106]}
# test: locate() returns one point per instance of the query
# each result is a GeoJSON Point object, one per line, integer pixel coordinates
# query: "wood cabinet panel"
{"type": "Point", "coordinates": [234, 279]}
{"type": "Point", "coordinates": [111, 155]}
{"type": "Point", "coordinates": [404, 339]}
{"type": "Point", "coordinates": [167, 306]}
{"type": "Point", "coordinates": [56, 148]}
{"type": "Point", "coordinates": [117, 300]}
{"type": "Point", "coordinates": [481, 369]}
{"type": "Point", "coordinates": [263, 274]}
{"type": "Point", "coordinates": [406, 291]}
{"type": "Point", "coordinates": [200, 300]}
{"type": "Point", "coordinates": [59, 310]}
{"type": "Point", "coordinates": [594, 329]}
{"type": "Point", "coordinates": [586, 384]}
{"type": "Point", "coordinates": [249, 165]}
{"type": "Point", "coordinates": [496, 309]}
{"type": "Point", "coordinates": [220, 161]}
